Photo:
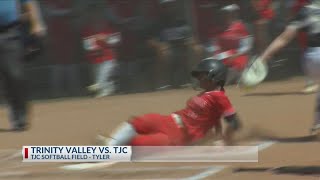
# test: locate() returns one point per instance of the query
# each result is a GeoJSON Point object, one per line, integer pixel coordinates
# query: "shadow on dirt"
{"type": "Point", "coordinates": [5, 130]}
{"type": "Point", "coordinates": [259, 134]}
{"type": "Point", "coordinates": [273, 94]}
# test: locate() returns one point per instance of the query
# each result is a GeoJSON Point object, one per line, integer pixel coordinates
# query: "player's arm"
{"type": "Point", "coordinates": [245, 42]}
{"type": "Point", "coordinates": [299, 22]}
{"type": "Point", "coordinates": [245, 46]}
{"type": "Point", "coordinates": [87, 44]}
{"type": "Point", "coordinates": [31, 8]}
{"type": "Point", "coordinates": [280, 42]}
{"type": "Point", "coordinates": [233, 124]}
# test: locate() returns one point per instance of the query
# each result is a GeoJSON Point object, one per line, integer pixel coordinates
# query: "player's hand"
{"type": "Point", "coordinates": [198, 49]}
{"type": "Point", "coordinates": [38, 30]}
{"type": "Point", "coordinates": [163, 50]}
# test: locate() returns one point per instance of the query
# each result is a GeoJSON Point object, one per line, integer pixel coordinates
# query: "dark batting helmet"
{"type": "Point", "coordinates": [215, 69]}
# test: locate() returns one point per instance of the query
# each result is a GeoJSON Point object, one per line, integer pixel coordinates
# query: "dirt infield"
{"type": "Point", "coordinates": [274, 109]}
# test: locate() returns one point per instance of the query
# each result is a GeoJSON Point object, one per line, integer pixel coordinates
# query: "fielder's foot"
{"type": "Point", "coordinates": [19, 128]}
{"type": "Point", "coordinates": [94, 87]}
{"type": "Point", "coordinates": [104, 93]}
{"type": "Point", "coordinates": [165, 87]}
{"type": "Point", "coordinates": [315, 129]}
{"type": "Point", "coordinates": [310, 89]}
{"type": "Point", "coordinates": [19, 119]}
{"type": "Point", "coordinates": [102, 140]}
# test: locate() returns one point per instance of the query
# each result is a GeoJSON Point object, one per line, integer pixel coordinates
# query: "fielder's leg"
{"type": "Point", "coordinates": [310, 87]}
{"type": "Point", "coordinates": [312, 67]}
{"type": "Point", "coordinates": [316, 124]}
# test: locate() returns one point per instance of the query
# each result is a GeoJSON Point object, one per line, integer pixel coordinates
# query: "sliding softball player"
{"type": "Point", "coordinates": [187, 126]}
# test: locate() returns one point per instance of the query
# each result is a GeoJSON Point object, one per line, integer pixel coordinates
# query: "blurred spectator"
{"type": "Point", "coordinates": [205, 20]}
{"type": "Point", "coordinates": [99, 41]}
{"type": "Point", "coordinates": [62, 47]}
{"type": "Point", "coordinates": [302, 36]}
{"type": "Point", "coordinates": [262, 16]}
{"type": "Point", "coordinates": [176, 40]}
{"type": "Point", "coordinates": [234, 43]}
{"type": "Point", "coordinates": [137, 49]}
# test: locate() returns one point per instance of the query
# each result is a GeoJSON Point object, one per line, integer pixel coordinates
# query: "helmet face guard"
{"type": "Point", "coordinates": [215, 70]}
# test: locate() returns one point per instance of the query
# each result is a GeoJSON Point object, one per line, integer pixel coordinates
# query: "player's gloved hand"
{"type": "Point", "coordinates": [255, 73]}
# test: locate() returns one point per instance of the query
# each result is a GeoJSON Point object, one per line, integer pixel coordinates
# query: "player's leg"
{"type": "Point", "coordinates": [145, 124]}
{"type": "Point", "coordinates": [311, 86]}
{"type": "Point", "coordinates": [157, 130]}
{"type": "Point", "coordinates": [149, 129]}
{"type": "Point", "coordinates": [95, 74]}
{"type": "Point", "coordinates": [109, 71]}
{"type": "Point", "coordinates": [312, 67]}
{"type": "Point", "coordinates": [157, 139]}
{"type": "Point", "coordinates": [121, 136]}
{"type": "Point", "coordinates": [104, 74]}
{"type": "Point", "coordinates": [316, 123]}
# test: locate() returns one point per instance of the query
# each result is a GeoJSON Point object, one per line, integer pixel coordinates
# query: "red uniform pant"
{"type": "Point", "coordinates": [157, 130]}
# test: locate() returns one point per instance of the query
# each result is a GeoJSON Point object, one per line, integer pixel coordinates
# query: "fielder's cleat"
{"type": "Point", "coordinates": [310, 89]}
{"type": "Point", "coordinates": [20, 121]}
{"type": "Point", "coordinates": [104, 93]}
{"type": "Point", "coordinates": [102, 140]}
{"type": "Point", "coordinates": [19, 129]}
{"type": "Point", "coordinates": [165, 87]}
{"type": "Point", "coordinates": [94, 87]}
{"type": "Point", "coordinates": [187, 85]}
{"type": "Point", "coordinates": [315, 129]}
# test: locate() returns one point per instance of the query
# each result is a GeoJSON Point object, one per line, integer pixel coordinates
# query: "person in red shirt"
{"type": "Point", "coordinates": [139, 45]}
{"type": "Point", "coordinates": [205, 20]}
{"type": "Point", "coordinates": [189, 125]}
{"type": "Point", "coordinates": [62, 43]}
{"type": "Point", "coordinates": [99, 42]}
{"type": "Point", "coordinates": [203, 12]}
{"type": "Point", "coordinates": [233, 44]}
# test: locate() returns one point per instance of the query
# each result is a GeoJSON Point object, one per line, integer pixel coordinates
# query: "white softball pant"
{"type": "Point", "coordinates": [312, 69]}
{"type": "Point", "coordinates": [103, 73]}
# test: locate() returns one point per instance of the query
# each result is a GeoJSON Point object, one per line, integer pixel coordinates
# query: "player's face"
{"type": "Point", "coordinates": [204, 82]}
{"type": "Point", "coordinates": [227, 18]}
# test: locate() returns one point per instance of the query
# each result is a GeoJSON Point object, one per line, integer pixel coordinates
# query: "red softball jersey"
{"type": "Point", "coordinates": [204, 111]}
{"type": "Point", "coordinates": [229, 42]}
